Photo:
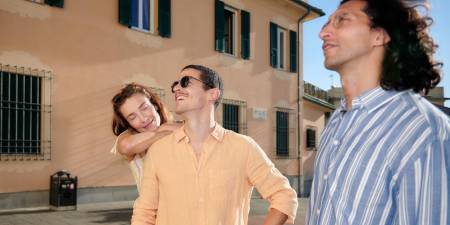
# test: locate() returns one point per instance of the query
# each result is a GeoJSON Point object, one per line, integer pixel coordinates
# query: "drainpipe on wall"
{"type": "Point", "coordinates": [301, 179]}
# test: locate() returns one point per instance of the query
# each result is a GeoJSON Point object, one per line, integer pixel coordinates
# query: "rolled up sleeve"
{"type": "Point", "coordinates": [270, 183]}
{"type": "Point", "coordinates": [146, 206]}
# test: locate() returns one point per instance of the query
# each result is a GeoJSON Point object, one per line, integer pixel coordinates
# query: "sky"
{"type": "Point", "coordinates": [315, 72]}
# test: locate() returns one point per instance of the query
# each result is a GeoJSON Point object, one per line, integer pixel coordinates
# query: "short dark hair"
{"type": "Point", "coordinates": [408, 60]}
{"type": "Point", "coordinates": [210, 78]}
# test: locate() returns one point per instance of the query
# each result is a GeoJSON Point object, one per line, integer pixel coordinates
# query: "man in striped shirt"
{"type": "Point", "coordinates": [384, 156]}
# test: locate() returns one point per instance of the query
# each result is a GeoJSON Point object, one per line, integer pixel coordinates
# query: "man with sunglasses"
{"type": "Point", "coordinates": [203, 174]}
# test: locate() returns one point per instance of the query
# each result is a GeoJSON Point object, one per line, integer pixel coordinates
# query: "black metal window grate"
{"type": "Point", "coordinates": [231, 117]}
{"type": "Point", "coordinates": [24, 113]}
{"type": "Point", "coordinates": [20, 104]}
{"type": "Point", "coordinates": [282, 133]}
{"type": "Point", "coordinates": [310, 138]}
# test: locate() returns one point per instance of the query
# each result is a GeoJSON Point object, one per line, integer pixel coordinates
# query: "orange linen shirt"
{"type": "Point", "coordinates": [178, 189]}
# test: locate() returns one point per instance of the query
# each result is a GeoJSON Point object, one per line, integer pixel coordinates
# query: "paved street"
{"type": "Point", "coordinates": [117, 213]}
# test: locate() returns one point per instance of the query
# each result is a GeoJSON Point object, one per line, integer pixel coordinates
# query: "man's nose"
{"type": "Point", "coordinates": [325, 32]}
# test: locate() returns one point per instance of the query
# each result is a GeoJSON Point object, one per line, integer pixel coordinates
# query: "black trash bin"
{"type": "Point", "coordinates": [63, 191]}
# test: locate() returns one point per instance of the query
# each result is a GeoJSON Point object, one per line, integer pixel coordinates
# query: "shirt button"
{"type": "Point", "coordinates": [318, 212]}
{"type": "Point", "coordinates": [325, 176]}
{"type": "Point", "coordinates": [335, 142]}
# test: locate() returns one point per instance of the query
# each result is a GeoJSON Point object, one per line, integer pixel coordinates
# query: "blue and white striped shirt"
{"type": "Point", "coordinates": [385, 161]}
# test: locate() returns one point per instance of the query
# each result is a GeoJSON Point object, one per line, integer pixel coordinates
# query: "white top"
{"type": "Point", "coordinates": [136, 165]}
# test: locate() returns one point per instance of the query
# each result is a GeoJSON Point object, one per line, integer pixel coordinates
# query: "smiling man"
{"type": "Point", "coordinates": [384, 156]}
{"type": "Point", "coordinates": [203, 174]}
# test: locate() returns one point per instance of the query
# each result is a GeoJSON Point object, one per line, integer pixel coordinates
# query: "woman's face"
{"type": "Point", "coordinates": [140, 113]}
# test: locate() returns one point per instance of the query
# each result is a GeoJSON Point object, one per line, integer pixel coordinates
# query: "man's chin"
{"type": "Point", "coordinates": [330, 66]}
{"type": "Point", "coordinates": [179, 111]}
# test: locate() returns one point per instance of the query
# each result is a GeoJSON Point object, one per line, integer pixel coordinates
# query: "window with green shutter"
{"type": "Point", "coordinates": [282, 133]}
{"type": "Point", "coordinates": [279, 40]}
{"type": "Point", "coordinates": [229, 34]}
{"type": "Point", "coordinates": [139, 15]}
{"type": "Point", "coordinates": [245, 34]}
{"type": "Point", "coordinates": [226, 33]}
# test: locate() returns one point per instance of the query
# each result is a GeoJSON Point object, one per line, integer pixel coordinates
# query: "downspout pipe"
{"type": "Point", "coordinates": [301, 179]}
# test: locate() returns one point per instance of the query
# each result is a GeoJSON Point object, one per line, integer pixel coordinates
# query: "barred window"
{"type": "Point", "coordinates": [285, 132]}
{"type": "Point", "coordinates": [231, 117]}
{"type": "Point", "coordinates": [24, 113]}
{"type": "Point", "coordinates": [282, 136]}
{"type": "Point", "coordinates": [310, 138]}
{"type": "Point", "coordinates": [234, 115]}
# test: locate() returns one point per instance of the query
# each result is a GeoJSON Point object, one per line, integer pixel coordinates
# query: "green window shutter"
{"type": "Point", "coordinates": [273, 45]}
{"type": "Point", "coordinates": [55, 3]}
{"type": "Point", "coordinates": [293, 50]}
{"type": "Point", "coordinates": [245, 34]}
{"type": "Point", "coordinates": [164, 23]}
{"type": "Point", "coordinates": [125, 12]}
{"type": "Point", "coordinates": [219, 25]}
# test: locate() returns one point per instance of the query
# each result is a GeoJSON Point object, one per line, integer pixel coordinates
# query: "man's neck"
{"type": "Point", "coordinates": [199, 125]}
{"type": "Point", "coordinates": [359, 79]}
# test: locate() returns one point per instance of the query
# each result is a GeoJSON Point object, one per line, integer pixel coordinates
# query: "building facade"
{"type": "Point", "coordinates": [62, 61]}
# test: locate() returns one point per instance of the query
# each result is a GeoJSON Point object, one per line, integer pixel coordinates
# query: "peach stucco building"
{"type": "Point", "coordinates": [62, 61]}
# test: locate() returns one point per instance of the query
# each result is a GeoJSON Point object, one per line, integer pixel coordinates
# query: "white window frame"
{"type": "Point", "coordinates": [282, 48]}
{"type": "Point", "coordinates": [151, 18]}
{"type": "Point", "coordinates": [234, 24]}
{"type": "Point", "coordinates": [37, 1]}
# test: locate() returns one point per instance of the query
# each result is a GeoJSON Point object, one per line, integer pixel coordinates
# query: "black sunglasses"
{"type": "Point", "coordinates": [184, 82]}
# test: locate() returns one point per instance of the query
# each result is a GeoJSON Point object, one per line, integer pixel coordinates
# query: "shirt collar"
{"type": "Point", "coordinates": [370, 100]}
{"type": "Point", "coordinates": [217, 133]}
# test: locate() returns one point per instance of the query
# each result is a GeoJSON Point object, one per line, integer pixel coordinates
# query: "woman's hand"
{"type": "Point", "coordinates": [169, 127]}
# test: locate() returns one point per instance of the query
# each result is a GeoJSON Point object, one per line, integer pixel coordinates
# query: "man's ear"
{"type": "Point", "coordinates": [381, 37]}
{"type": "Point", "coordinates": [213, 94]}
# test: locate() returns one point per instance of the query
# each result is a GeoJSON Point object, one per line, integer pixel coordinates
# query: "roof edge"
{"type": "Point", "coordinates": [310, 7]}
{"type": "Point", "coordinates": [319, 101]}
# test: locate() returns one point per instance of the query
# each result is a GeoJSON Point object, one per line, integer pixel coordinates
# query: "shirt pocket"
{"type": "Point", "coordinates": [222, 184]}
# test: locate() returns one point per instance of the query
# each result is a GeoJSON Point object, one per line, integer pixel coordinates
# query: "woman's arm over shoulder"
{"type": "Point", "coordinates": [170, 126]}
{"type": "Point", "coordinates": [130, 144]}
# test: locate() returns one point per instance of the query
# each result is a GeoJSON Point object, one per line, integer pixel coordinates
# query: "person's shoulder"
{"type": "Point", "coordinates": [161, 146]}
{"type": "Point", "coordinates": [435, 118]}
{"type": "Point", "coordinates": [239, 139]}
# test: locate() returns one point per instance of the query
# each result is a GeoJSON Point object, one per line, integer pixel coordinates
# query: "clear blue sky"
{"type": "Point", "coordinates": [315, 72]}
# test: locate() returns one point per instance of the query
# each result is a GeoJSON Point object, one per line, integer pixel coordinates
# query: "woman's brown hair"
{"type": "Point", "coordinates": [119, 123]}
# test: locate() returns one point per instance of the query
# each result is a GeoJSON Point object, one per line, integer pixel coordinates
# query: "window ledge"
{"type": "Point", "coordinates": [144, 31]}
{"type": "Point", "coordinates": [229, 55]}
{"type": "Point", "coordinates": [283, 74]}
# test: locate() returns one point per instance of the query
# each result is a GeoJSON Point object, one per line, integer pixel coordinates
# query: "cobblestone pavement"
{"type": "Point", "coordinates": [117, 213]}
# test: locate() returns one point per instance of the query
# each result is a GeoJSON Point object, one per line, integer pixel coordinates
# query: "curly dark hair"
{"type": "Point", "coordinates": [119, 123]}
{"type": "Point", "coordinates": [408, 61]}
